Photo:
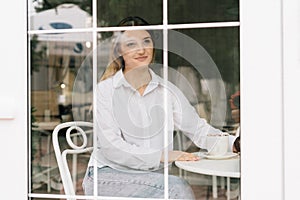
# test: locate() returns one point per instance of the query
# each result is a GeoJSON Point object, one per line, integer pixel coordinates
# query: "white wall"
{"type": "Point", "coordinates": [13, 95]}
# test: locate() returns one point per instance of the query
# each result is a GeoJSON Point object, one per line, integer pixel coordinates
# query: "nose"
{"type": "Point", "coordinates": [140, 48]}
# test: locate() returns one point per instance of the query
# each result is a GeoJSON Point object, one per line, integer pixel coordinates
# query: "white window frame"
{"type": "Point", "coordinates": [13, 101]}
{"type": "Point", "coordinates": [269, 45]}
{"type": "Point", "coordinates": [261, 99]}
{"type": "Point", "coordinates": [291, 98]}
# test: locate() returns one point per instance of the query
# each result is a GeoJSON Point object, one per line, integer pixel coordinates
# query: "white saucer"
{"type": "Point", "coordinates": [217, 157]}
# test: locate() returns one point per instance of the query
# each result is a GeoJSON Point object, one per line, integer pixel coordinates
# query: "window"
{"type": "Point", "coordinates": [197, 49]}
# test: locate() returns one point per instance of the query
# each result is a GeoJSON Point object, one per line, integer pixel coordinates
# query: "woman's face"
{"type": "Point", "coordinates": [136, 48]}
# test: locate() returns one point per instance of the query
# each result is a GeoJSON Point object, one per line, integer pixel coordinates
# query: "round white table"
{"type": "Point", "coordinates": [229, 168]}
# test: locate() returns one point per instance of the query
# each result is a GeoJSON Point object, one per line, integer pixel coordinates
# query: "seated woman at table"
{"type": "Point", "coordinates": [131, 122]}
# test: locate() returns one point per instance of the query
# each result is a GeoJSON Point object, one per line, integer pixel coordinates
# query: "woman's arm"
{"type": "Point", "coordinates": [188, 121]}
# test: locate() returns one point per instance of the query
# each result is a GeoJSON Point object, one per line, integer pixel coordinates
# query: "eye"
{"type": "Point", "coordinates": [131, 44]}
{"type": "Point", "coordinates": [147, 42]}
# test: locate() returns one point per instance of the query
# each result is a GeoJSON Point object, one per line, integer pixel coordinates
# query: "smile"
{"type": "Point", "coordinates": [142, 58]}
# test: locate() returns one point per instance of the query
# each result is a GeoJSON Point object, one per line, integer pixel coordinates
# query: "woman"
{"type": "Point", "coordinates": [131, 123]}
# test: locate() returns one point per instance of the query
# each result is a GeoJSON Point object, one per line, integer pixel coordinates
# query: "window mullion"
{"type": "Point", "coordinates": [165, 77]}
{"type": "Point", "coordinates": [95, 72]}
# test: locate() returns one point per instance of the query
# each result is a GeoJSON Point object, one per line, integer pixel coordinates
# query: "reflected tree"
{"type": "Point", "coordinates": [46, 4]}
{"type": "Point", "coordinates": [37, 54]}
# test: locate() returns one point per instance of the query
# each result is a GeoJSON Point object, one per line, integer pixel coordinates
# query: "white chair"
{"type": "Point", "coordinates": [69, 183]}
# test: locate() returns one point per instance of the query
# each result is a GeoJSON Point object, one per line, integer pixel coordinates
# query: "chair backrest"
{"type": "Point", "coordinates": [80, 127]}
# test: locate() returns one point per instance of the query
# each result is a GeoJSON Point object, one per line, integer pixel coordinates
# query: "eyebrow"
{"type": "Point", "coordinates": [129, 40]}
{"type": "Point", "coordinates": [133, 40]}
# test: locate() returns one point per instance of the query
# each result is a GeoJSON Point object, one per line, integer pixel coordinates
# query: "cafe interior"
{"type": "Point", "coordinates": [63, 65]}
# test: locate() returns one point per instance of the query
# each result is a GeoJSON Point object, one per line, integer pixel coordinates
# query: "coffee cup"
{"type": "Point", "coordinates": [217, 145]}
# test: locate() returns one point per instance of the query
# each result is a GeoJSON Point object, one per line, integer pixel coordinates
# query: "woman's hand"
{"type": "Point", "coordinates": [180, 156]}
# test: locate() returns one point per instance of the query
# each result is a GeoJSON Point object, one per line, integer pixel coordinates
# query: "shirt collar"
{"type": "Point", "coordinates": [119, 79]}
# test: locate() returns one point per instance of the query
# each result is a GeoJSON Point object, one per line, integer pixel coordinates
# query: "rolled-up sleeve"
{"type": "Point", "coordinates": [112, 144]}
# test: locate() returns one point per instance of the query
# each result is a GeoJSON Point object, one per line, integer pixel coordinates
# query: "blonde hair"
{"type": "Point", "coordinates": [116, 60]}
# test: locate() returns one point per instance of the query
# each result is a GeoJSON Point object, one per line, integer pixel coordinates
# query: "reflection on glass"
{"type": "Point", "coordinates": [130, 144]}
{"type": "Point", "coordinates": [207, 57]}
{"type": "Point", "coordinates": [196, 11]}
{"type": "Point", "coordinates": [61, 91]}
{"type": "Point", "coordinates": [110, 13]}
{"type": "Point", "coordinates": [49, 15]}
{"type": "Point", "coordinates": [62, 78]}
{"type": "Point", "coordinates": [130, 105]}
{"type": "Point", "coordinates": [204, 65]}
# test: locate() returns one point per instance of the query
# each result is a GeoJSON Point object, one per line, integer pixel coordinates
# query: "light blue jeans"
{"type": "Point", "coordinates": [116, 183]}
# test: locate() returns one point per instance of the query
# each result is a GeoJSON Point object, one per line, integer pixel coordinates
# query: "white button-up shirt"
{"type": "Point", "coordinates": [131, 126]}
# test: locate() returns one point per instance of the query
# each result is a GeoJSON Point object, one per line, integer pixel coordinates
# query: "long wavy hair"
{"type": "Point", "coordinates": [116, 60]}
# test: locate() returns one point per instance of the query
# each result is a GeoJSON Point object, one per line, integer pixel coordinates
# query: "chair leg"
{"type": "Point", "coordinates": [228, 188]}
{"type": "Point", "coordinates": [232, 194]}
{"type": "Point", "coordinates": [214, 187]}
{"type": "Point", "coordinates": [74, 166]}
{"type": "Point", "coordinates": [49, 163]}
{"type": "Point", "coordinates": [74, 170]}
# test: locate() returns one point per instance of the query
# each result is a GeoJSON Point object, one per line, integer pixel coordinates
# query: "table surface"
{"type": "Point", "coordinates": [225, 167]}
{"type": "Point", "coordinates": [46, 125]}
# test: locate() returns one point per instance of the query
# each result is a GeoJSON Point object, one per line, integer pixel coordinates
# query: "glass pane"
{"type": "Point", "coordinates": [204, 65]}
{"type": "Point", "coordinates": [208, 55]}
{"type": "Point", "coordinates": [196, 11]}
{"type": "Point", "coordinates": [61, 91]}
{"type": "Point", "coordinates": [53, 15]}
{"type": "Point", "coordinates": [105, 46]}
{"type": "Point", "coordinates": [110, 13]}
{"type": "Point", "coordinates": [131, 152]}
